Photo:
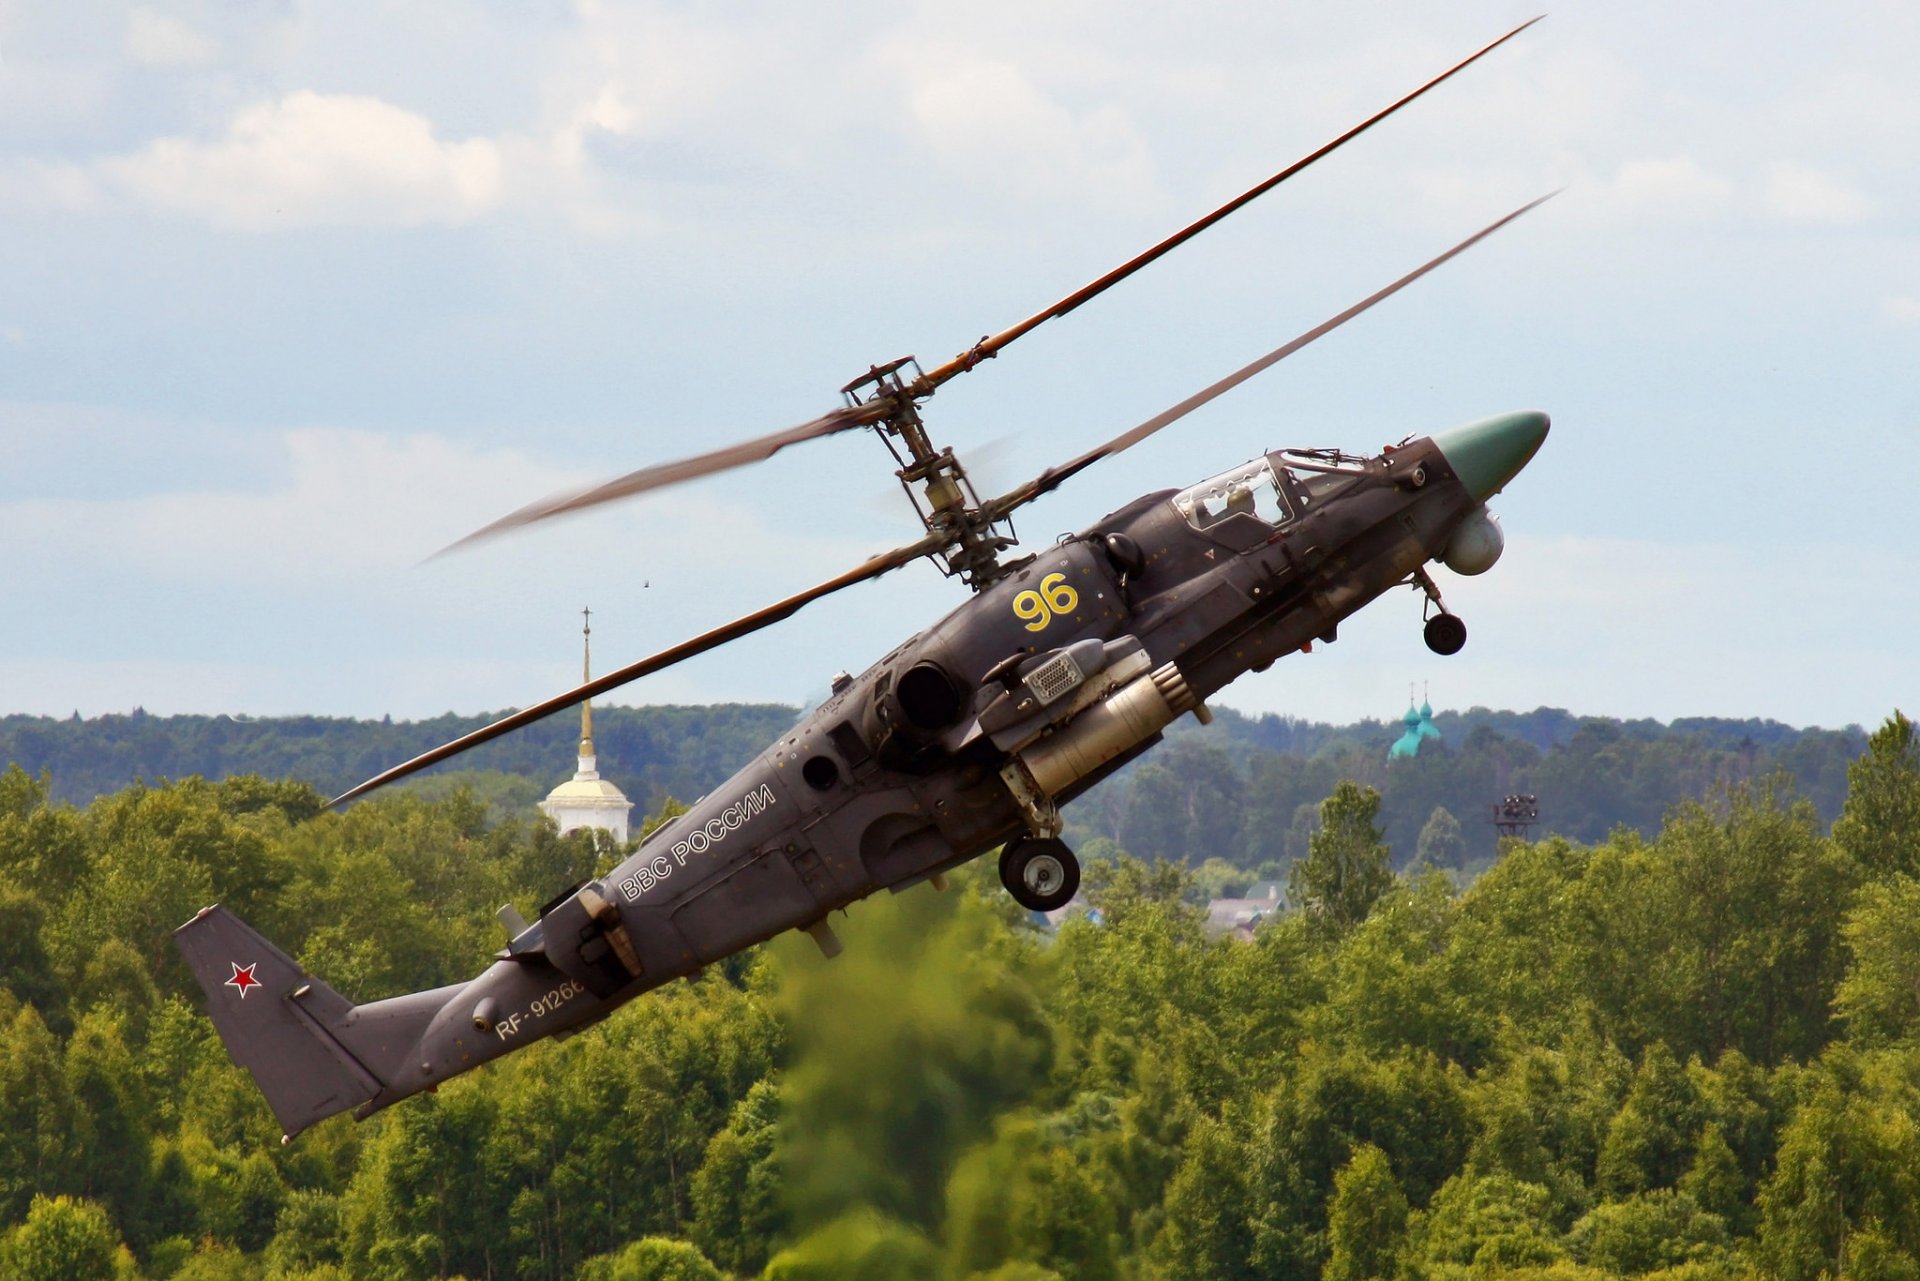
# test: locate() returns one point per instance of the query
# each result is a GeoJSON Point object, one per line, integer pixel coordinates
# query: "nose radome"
{"type": "Point", "coordinates": [1489, 453]}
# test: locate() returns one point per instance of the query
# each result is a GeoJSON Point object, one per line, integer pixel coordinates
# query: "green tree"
{"type": "Point", "coordinates": [1120, 886]}
{"type": "Point", "coordinates": [1531, 1124]}
{"type": "Point", "coordinates": [39, 1149]}
{"type": "Point", "coordinates": [736, 1191]}
{"type": "Point", "coordinates": [1217, 878]}
{"type": "Point", "coordinates": [651, 1259]}
{"type": "Point", "coordinates": [1156, 823]}
{"type": "Point", "coordinates": [306, 1235]}
{"type": "Point", "coordinates": [1715, 1180]}
{"type": "Point", "coordinates": [1650, 1143]}
{"type": "Point", "coordinates": [1848, 1159]}
{"type": "Point", "coordinates": [216, 1262]}
{"type": "Point", "coordinates": [1207, 1225]}
{"type": "Point", "coordinates": [1872, 1255]}
{"type": "Point", "coordinates": [860, 1245]}
{"type": "Point", "coordinates": [1648, 1232]}
{"type": "Point", "coordinates": [112, 1127]}
{"type": "Point", "coordinates": [1880, 995]}
{"type": "Point", "coordinates": [1513, 944]}
{"type": "Point", "coordinates": [62, 1239]}
{"type": "Point", "coordinates": [1441, 844]}
{"type": "Point", "coordinates": [40, 845]}
{"type": "Point", "coordinates": [117, 983]}
{"type": "Point", "coordinates": [1300, 831]}
{"type": "Point", "coordinates": [1347, 867]}
{"type": "Point", "coordinates": [422, 1201]}
{"type": "Point", "coordinates": [904, 1050]}
{"type": "Point", "coordinates": [1880, 823]}
{"type": "Point", "coordinates": [24, 965]}
{"type": "Point", "coordinates": [1367, 1221]}
{"type": "Point", "coordinates": [22, 793]}
{"type": "Point", "coordinates": [1023, 1196]}
{"type": "Point", "coordinates": [1724, 933]}
{"type": "Point", "coordinates": [1484, 1224]}
{"type": "Point", "coordinates": [1412, 1106]}
{"type": "Point", "coordinates": [1184, 805]}
{"type": "Point", "coordinates": [1394, 983]}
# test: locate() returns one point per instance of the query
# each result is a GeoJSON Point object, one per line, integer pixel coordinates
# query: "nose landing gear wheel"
{"type": "Point", "coordinates": [1446, 633]}
{"type": "Point", "coordinates": [1040, 872]}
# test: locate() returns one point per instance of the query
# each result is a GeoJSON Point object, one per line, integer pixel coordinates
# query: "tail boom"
{"type": "Point", "coordinates": [314, 1053]}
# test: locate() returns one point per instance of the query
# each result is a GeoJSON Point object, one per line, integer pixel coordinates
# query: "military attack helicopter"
{"type": "Point", "coordinates": [1063, 666]}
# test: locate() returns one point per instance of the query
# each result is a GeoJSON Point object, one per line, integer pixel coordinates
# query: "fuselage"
{"type": "Point", "coordinates": [969, 733]}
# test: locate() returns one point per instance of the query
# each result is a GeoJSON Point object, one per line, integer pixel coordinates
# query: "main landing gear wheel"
{"type": "Point", "coordinates": [1040, 872]}
{"type": "Point", "coordinates": [1446, 633]}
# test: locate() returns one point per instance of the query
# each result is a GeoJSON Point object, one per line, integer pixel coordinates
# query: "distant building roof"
{"type": "Point", "coordinates": [1420, 728]}
{"type": "Point", "coordinates": [586, 799]}
{"type": "Point", "coordinates": [1235, 915]}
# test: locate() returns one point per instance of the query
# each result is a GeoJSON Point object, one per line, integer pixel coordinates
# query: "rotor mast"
{"type": "Point", "coordinates": [945, 500]}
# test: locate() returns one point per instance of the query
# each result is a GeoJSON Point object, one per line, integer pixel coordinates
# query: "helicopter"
{"type": "Point", "coordinates": [1063, 666]}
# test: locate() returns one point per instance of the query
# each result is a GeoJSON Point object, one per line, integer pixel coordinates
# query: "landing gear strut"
{"type": "Point", "coordinates": [1445, 633]}
{"type": "Point", "coordinates": [1040, 872]}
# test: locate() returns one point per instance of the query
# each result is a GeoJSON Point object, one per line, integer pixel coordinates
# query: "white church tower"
{"type": "Point", "coordinates": [586, 799]}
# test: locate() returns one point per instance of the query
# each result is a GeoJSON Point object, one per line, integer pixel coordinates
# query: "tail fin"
{"type": "Point", "coordinates": [277, 1021]}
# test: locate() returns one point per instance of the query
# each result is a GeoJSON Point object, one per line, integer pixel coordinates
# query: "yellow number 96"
{"type": "Point", "coordinates": [1038, 608]}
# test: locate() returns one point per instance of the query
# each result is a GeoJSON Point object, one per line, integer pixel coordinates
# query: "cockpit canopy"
{"type": "Point", "coordinates": [1251, 491]}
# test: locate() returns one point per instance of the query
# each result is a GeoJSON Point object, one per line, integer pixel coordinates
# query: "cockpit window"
{"type": "Point", "coordinates": [1245, 491]}
{"type": "Point", "coordinates": [1320, 484]}
{"type": "Point", "coordinates": [1320, 473]}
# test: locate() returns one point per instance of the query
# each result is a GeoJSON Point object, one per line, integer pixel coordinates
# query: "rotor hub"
{"type": "Point", "coordinates": [935, 482]}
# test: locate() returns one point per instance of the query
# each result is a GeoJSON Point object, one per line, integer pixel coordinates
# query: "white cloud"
{"type": "Point", "coordinates": [312, 159]}
{"type": "Point", "coordinates": [1664, 189]}
{"type": "Point", "coordinates": [986, 118]}
{"type": "Point", "coordinates": [1902, 310]}
{"type": "Point", "coordinates": [607, 111]}
{"type": "Point", "coordinates": [1802, 193]}
{"type": "Point", "coordinates": [354, 501]}
{"type": "Point", "coordinates": [335, 160]}
{"type": "Point", "coordinates": [158, 39]}
{"type": "Point", "coordinates": [666, 70]}
{"type": "Point", "coordinates": [39, 184]}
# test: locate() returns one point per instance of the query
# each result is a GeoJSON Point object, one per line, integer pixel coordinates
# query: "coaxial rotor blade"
{"type": "Point", "coordinates": [662, 474]}
{"type": "Point", "coordinates": [841, 419]}
{"type": "Point", "coordinates": [1054, 476]}
{"type": "Point", "coordinates": [990, 346]}
{"type": "Point", "coordinates": [700, 644]}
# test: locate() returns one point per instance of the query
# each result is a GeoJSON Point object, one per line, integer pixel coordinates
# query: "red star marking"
{"type": "Point", "coordinates": [242, 978]}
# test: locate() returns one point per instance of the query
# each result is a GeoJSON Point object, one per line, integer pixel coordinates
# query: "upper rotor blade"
{"type": "Point", "coordinates": [665, 658]}
{"type": "Point", "coordinates": [989, 347]}
{"type": "Point", "coordinates": [747, 451]}
{"type": "Point", "coordinates": [1053, 476]}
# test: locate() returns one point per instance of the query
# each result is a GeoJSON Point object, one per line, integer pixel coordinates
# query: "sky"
{"type": "Point", "coordinates": [292, 295]}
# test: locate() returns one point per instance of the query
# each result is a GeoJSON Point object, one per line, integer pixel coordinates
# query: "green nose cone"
{"type": "Point", "coordinates": [1489, 453]}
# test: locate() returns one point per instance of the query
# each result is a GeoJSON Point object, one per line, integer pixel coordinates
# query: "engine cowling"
{"type": "Point", "coordinates": [1476, 544]}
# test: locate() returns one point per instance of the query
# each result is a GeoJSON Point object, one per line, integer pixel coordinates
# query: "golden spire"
{"type": "Point", "coordinates": [586, 674]}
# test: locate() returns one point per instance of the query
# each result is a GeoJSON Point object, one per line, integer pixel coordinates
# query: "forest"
{"type": "Point", "coordinates": [1244, 789]}
{"type": "Point", "coordinates": [1685, 1047]}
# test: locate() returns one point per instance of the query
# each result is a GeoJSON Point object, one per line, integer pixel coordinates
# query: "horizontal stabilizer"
{"type": "Point", "coordinates": [277, 1021]}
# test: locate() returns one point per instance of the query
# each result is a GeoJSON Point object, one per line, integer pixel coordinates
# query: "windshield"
{"type": "Point", "coordinates": [1245, 491]}
{"type": "Point", "coordinates": [1319, 473]}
